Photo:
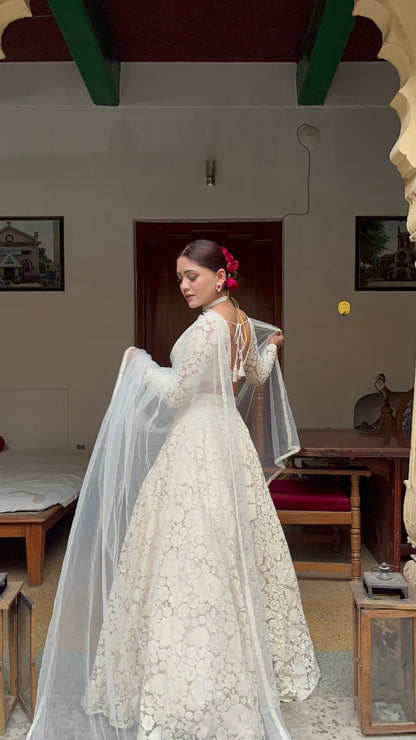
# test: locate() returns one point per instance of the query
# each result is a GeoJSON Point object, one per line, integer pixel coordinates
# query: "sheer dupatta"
{"type": "Point", "coordinates": [146, 403]}
{"type": "Point", "coordinates": [272, 421]}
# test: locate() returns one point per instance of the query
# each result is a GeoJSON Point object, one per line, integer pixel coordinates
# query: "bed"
{"type": "Point", "coordinates": [36, 490]}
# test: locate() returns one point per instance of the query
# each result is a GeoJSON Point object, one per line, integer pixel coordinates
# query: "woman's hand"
{"type": "Point", "coordinates": [277, 339]}
{"type": "Point", "coordinates": [133, 352]}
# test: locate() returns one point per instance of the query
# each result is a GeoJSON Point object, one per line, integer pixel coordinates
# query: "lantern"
{"type": "Point", "coordinates": [384, 632]}
{"type": "Point", "coordinates": [17, 657]}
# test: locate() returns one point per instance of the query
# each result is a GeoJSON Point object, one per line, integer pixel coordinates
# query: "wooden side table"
{"type": "Point", "coordinates": [382, 453]}
{"type": "Point", "coordinates": [17, 656]}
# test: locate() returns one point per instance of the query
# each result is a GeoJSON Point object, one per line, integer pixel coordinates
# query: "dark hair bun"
{"type": "Point", "coordinates": [209, 254]}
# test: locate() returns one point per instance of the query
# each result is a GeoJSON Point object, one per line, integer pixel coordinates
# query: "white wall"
{"type": "Point", "coordinates": [102, 168]}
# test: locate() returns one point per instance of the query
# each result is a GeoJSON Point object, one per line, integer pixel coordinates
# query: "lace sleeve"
{"type": "Point", "coordinates": [258, 366]}
{"type": "Point", "coordinates": [193, 360]}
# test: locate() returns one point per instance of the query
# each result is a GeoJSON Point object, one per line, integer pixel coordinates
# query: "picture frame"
{"type": "Point", "coordinates": [31, 253]}
{"type": "Point", "coordinates": [384, 255]}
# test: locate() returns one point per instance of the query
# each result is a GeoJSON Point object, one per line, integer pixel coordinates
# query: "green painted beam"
{"type": "Point", "coordinates": [329, 30]}
{"type": "Point", "coordinates": [85, 31]}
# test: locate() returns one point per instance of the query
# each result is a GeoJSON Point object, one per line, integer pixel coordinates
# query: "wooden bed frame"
{"type": "Point", "coordinates": [33, 525]}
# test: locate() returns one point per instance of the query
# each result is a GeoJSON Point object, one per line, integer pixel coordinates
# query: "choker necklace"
{"type": "Point", "coordinates": [214, 303]}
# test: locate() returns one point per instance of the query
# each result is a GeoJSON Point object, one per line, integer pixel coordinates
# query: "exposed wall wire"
{"type": "Point", "coordinates": [308, 136]}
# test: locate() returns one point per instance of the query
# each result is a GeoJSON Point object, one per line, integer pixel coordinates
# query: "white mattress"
{"type": "Point", "coordinates": [33, 481]}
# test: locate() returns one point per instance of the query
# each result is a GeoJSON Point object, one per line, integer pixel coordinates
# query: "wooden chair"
{"type": "Point", "coordinates": [306, 502]}
{"type": "Point", "coordinates": [404, 412]}
{"type": "Point", "coordinates": [322, 502]}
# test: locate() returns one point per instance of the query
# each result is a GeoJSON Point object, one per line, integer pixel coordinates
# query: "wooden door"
{"type": "Point", "coordinates": [162, 313]}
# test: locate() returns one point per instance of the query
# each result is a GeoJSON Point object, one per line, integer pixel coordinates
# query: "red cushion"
{"type": "Point", "coordinates": [1, 443]}
{"type": "Point", "coordinates": [303, 495]}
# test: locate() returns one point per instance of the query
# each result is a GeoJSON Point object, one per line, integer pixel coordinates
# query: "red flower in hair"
{"type": "Point", "coordinates": [232, 264]}
{"type": "Point", "coordinates": [232, 267]}
{"type": "Point", "coordinates": [231, 284]}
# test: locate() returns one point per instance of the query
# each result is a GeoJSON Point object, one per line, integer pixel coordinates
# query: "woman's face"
{"type": "Point", "coordinates": [196, 283]}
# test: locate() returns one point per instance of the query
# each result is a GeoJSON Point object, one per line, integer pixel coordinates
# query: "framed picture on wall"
{"type": "Point", "coordinates": [31, 253]}
{"type": "Point", "coordinates": [384, 255]}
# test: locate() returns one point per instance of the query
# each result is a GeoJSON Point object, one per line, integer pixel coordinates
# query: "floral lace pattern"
{"type": "Point", "coordinates": [197, 364]}
{"type": "Point", "coordinates": [258, 367]}
{"type": "Point", "coordinates": [176, 658]}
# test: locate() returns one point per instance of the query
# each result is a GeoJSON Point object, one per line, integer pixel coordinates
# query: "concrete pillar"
{"type": "Point", "coordinates": [396, 20]}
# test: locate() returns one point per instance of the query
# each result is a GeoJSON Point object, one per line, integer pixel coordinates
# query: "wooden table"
{"type": "Point", "coordinates": [382, 453]}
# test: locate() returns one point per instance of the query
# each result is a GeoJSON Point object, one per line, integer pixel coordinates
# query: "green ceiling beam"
{"type": "Point", "coordinates": [329, 30]}
{"type": "Point", "coordinates": [85, 31]}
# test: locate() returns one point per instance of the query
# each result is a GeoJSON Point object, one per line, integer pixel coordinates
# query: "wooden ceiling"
{"type": "Point", "coordinates": [190, 31]}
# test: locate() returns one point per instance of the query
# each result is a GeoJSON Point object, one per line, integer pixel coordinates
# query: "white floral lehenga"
{"type": "Point", "coordinates": [191, 625]}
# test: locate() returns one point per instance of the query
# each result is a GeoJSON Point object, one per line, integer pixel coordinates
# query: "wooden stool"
{"type": "Point", "coordinates": [384, 651]}
{"type": "Point", "coordinates": [17, 622]}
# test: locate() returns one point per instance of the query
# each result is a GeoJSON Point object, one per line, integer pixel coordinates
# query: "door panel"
{"type": "Point", "coordinates": [162, 313]}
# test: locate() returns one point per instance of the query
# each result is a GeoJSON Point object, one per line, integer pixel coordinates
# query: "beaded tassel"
{"type": "Point", "coordinates": [238, 369]}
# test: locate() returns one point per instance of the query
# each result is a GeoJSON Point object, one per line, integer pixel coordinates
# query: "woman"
{"type": "Point", "coordinates": [178, 613]}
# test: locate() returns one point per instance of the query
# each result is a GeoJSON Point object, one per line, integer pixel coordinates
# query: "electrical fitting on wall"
{"type": "Point", "coordinates": [344, 308]}
{"type": "Point", "coordinates": [309, 136]}
{"type": "Point", "coordinates": [210, 168]}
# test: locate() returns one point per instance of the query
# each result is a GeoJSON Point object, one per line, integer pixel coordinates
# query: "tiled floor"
{"type": "Point", "coordinates": [327, 715]}
{"type": "Point", "coordinates": [331, 718]}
